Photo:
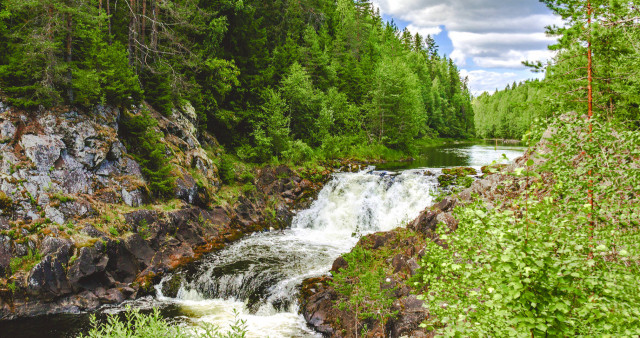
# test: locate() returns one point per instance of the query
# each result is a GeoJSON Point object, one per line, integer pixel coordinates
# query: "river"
{"type": "Point", "coordinates": [257, 277]}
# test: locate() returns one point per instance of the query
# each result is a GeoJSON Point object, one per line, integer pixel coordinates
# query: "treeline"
{"type": "Point", "coordinates": [509, 113]}
{"type": "Point", "coordinates": [268, 78]}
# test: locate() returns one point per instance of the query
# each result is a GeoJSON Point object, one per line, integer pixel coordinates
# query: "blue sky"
{"type": "Point", "coordinates": [487, 39]}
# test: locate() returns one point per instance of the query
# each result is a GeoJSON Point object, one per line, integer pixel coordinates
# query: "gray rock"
{"type": "Point", "coordinates": [54, 215]}
{"type": "Point", "coordinates": [55, 246]}
{"type": "Point", "coordinates": [133, 198]}
{"type": "Point", "coordinates": [87, 272]}
{"type": "Point", "coordinates": [7, 130]}
{"type": "Point", "coordinates": [48, 122]}
{"type": "Point", "coordinates": [42, 150]}
{"type": "Point", "coordinates": [116, 151]}
{"type": "Point", "coordinates": [5, 256]}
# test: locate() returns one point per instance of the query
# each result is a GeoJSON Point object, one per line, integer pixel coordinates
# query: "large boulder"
{"type": "Point", "coordinates": [42, 150]}
{"type": "Point", "coordinates": [48, 279]}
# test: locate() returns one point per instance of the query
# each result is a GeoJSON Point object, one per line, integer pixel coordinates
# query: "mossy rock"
{"type": "Point", "coordinates": [171, 286]}
{"type": "Point", "coordinates": [447, 180]}
{"type": "Point", "coordinates": [459, 171]}
{"type": "Point", "coordinates": [492, 168]}
{"type": "Point", "coordinates": [6, 203]}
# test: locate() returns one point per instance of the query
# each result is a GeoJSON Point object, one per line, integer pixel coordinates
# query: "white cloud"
{"type": "Point", "coordinates": [488, 81]}
{"type": "Point", "coordinates": [489, 34]}
{"type": "Point", "coordinates": [499, 50]}
{"type": "Point", "coordinates": [424, 31]}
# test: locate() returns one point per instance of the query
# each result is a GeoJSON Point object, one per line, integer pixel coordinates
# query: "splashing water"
{"type": "Point", "coordinates": [258, 276]}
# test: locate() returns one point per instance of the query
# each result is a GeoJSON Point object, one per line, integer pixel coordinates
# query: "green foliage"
{"type": "Point", "coordinates": [113, 231]}
{"type": "Point", "coordinates": [509, 113]}
{"type": "Point", "coordinates": [62, 198]}
{"type": "Point", "coordinates": [6, 203]}
{"type": "Point", "coordinates": [144, 142]}
{"type": "Point", "coordinates": [545, 262]}
{"type": "Point", "coordinates": [227, 169]}
{"type": "Point", "coordinates": [25, 263]}
{"type": "Point", "coordinates": [139, 325]}
{"type": "Point", "coordinates": [362, 285]}
{"type": "Point", "coordinates": [277, 81]}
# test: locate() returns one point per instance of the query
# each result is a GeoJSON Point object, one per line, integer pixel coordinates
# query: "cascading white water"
{"type": "Point", "coordinates": [258, 275]}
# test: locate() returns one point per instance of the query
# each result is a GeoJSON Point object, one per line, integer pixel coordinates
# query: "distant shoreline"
{"type": "Point", "coordinates": [507, 141]}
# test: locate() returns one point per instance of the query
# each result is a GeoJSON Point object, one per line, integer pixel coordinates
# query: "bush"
{"type": "Point", "coordinates": [139, 325]}
{"type": "Point", "coordinates": [546, 261]}
{"type": "Point", "coordinates": [144, 143]}
{"type": "Point", "coordinates": [227, 169]}
{"type": "Point", "coordinates": [25, 263]}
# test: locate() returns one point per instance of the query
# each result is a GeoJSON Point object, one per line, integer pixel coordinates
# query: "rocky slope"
{"type": "Point", "coordinates": [79, 228]}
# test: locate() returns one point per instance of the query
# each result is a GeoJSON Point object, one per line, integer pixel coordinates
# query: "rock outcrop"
{"type": "Point", "coordinates": [79, 228]}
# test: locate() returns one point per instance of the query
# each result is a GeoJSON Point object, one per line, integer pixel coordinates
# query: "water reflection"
{"type": "Point", "coordinates": [462, 154]}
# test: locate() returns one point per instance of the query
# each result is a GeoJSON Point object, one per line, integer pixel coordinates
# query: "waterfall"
{"type": "Point", "coordinates": [258, 276]}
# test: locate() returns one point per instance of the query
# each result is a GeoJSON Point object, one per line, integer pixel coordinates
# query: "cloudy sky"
{"type": "Point", "coordinates": [487, 39]}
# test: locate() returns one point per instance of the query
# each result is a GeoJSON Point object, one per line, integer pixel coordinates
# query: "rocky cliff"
{"type": "Point", "coordinates": [79, 227]}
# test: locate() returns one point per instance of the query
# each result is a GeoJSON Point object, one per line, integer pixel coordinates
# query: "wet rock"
{"type": "Point", "coordinates": [171, 286]}
{"type": "Point", "coordinates": [317, 306]}
{"type": "Point", "coordinates": [112, 296]}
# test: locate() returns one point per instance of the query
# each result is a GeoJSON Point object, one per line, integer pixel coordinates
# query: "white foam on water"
{"type": "Point", "coordinates": [349, 206]}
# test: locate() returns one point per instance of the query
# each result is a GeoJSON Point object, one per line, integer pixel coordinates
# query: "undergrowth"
{"type": "Point", "coordinates": [558, 256]}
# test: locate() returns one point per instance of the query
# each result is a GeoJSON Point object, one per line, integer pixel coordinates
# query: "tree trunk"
{"type": "Point", "coordinates": [109, 21]}
{"type": "Point", "coordinates": [133, 23]}
{"type": "Point", "coordinates": [143, 29]}
{"type": "Point", "coordinates": [68, 57]}
{"type": "Point", "coordinates": [154, 25]}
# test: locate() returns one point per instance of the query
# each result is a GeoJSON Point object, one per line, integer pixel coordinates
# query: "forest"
{"type": "Point", "coordinates": [544, 246]}
{"type": "Point", "coordinates": [272, 80]}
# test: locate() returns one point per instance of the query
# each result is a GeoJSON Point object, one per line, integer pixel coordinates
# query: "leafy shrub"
{"type": "Point", "coordinates": [360, 284]}
{"type": "Point", "coordinates": [25, 263]}
{"type": "Point", "coordinates": [299, 152]}
{"type": "Point", "coordinates": [139, 325]}
{"type": "Point", "coordinates": [547, 261]}
{"type": "Point", "coordinates": [227, 169]}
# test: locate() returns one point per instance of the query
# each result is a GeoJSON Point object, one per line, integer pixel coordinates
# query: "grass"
{"type": "Point", "coordinates": [25, 263]}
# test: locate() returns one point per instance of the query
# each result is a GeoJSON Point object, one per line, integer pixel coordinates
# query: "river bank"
{"type": "Point", "coordinates": [350, 302]}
